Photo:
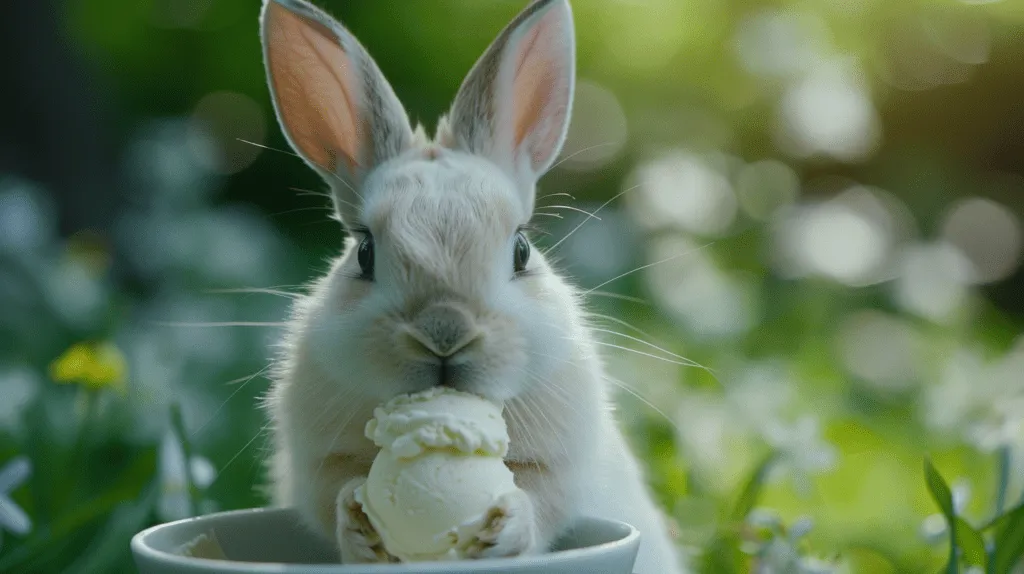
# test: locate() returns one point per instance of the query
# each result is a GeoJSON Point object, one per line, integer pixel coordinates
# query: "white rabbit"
{"type": "Point", "coordinates": [438, 285]}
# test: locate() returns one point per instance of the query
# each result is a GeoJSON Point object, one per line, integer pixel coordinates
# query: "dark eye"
{"type": "Point", "coordinates": [365, 255]}
{"type": "Point", "coordinates": [520, 253]}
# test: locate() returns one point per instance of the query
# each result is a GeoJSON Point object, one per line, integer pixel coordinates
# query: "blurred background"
{"type": "Point", "coordinates": [808, 247]}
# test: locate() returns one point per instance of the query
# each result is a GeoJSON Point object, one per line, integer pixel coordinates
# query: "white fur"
{"type": "Point", "coordinates": [444, 217]}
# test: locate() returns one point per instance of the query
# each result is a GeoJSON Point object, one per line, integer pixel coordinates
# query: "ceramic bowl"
{"type": "Point", "coordinates": [273, 541]}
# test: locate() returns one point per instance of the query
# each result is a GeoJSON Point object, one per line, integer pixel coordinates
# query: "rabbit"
{"type": "Point", "coordinates": [438, 284]}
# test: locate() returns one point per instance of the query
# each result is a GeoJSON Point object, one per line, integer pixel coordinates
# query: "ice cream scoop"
{"type": "Point", "coordinates": [438, 473]}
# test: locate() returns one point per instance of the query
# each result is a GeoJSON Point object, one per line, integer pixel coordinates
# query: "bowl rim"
{"type": "Point", "coordinates": [140, 547]}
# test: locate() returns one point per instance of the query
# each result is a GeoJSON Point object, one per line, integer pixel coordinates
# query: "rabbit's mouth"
{"type": "Point", "coordinates": [457, 373]}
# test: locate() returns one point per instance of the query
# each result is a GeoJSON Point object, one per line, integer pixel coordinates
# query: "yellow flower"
{"type": "Point", "coordinates": [92, 365]}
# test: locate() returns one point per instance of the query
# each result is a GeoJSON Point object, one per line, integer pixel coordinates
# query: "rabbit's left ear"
{"type": "Point", "coordinates": [335, 107]}
{"type": "Point", "coordinates": [514, 105]}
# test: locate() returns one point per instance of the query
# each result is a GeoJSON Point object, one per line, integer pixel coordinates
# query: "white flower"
{"type": "Point", "coordinates": [12, 517]}
{"type": "Point", "coordinates": [810, 565]}
{"type": "Point", "coordinates": [706, 431]}
{"type": "Point", "coordinates": [780, 554]}
{"type": "Point", "coordinates": [760, 393]}
{"type": "Point", "coordinates": [27, 219]}
{"type": "Point", "coordinates": [174, 501]}
{"type": "Point", "coordinates": [801, 450]}
{"type": "Point", "coordinates": [984, 401]}
{"type": "Point", "coordinates": [21, 384]}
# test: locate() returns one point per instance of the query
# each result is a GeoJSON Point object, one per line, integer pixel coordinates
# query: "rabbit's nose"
{"type": "Point", "coordinates": [444, 329]}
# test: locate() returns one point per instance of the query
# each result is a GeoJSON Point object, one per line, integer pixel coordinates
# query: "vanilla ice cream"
{"type": "Point", "coordinates": [439, 471]}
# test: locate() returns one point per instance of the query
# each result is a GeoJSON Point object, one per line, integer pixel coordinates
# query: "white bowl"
{"type": "Point", "coordinates": [273, 541]}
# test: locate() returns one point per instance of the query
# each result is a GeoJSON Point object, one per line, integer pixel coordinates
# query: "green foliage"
{"type": "Point", "coordinates": [1009, 541]}
{"type": "Point", "coordinates": [967, 543]}
{"type": "Point", "coordinates": [944, 498]}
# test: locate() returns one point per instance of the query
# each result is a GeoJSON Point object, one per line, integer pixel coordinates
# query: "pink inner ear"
{"type": "Point", "coordinates": [313, 81]}
{"type": "Point", "coordinates": [539, 88]}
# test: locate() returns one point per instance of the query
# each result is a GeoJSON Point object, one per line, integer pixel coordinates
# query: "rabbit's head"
{"type": "Point", "coordinates": [438, 283]}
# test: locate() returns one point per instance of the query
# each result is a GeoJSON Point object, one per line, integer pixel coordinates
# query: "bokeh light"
{"type": "Point", "coordinates": [933, 281]}
{"type": "Point", "coordinates": [598, 131]}
{"type": "Point", "coordinates": [988, 234]}
{"type": "Point", "coordinates": [683, 190]}
{"type": "Point", "coordinates": [829, 112]}
{"type": "Point", "coordinates": [766, 186]}
{"type": "Point", "coordinates": [848, 238]}
{"type": "Point", "coordinates": [704, 298]}
{"type": "Point", "coordinates": [235, 122]}
{"type": "Point", "coordinates": [881, 350]}
{"type": "Point", "coordinates": [780, 43]}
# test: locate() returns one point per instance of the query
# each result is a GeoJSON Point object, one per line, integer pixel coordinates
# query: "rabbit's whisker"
{"type": "Point", "coordinates": [576, 209]}
{"type": "Point", "coordinates": [530, 439]}
{"type": "Point", "coordinates": [646, 266]}
{"type": "Point", "coordinates": [516, 422]}
{"type": "Point", "coordinates": [578, 152]}
{"type": "Point", "coordinates": [255, 290]}
{"type": "Point", "coordinates": [685, 361]}
{"type": "Point", "coordinates": [303, 192]}
{"type": "Point", "coordinates": [334, 441]}
{"type": "Point", "coordinates": [620, 296]}
{"type": "Point", "coordinates": [220, 472]}
{"type": "Point", "coordinates": [558, 194]}
{"type": "Point", "coordinates": [343, 182]}
{"type": "Point", "coordinates": [245, 381]}
{"type": "Point", "coordinates": [556, 431]}
{"type": "Point", "coordinates": [644, 400]}
{"type": "Point", "coordinates": [300, 209]}
{"type": "Point", "coordinates": [577, 228]}
{"type": "Point", "coordinates": [327, 195]}
{"type": "Point", "coordinates": [222, 324]}
{"type": "Point", "coordinates": [558, 393]}
{"type": "Point", "coordinates": [615, 382]}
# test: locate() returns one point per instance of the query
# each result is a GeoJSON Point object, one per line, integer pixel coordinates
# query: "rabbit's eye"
{"type": "Point", "coordinates": [521, 253]}
{"type": "Point", "coordinates": [365, 256]}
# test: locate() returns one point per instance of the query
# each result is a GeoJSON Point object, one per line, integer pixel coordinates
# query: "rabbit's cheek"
{"type": "Point", "coordinates": [354, 291]}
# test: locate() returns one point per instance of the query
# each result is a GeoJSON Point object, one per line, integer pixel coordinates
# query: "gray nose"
{"type": "Point", "coordinates": [444, 329]}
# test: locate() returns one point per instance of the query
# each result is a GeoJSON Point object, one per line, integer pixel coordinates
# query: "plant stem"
{"type": "Point", "coordinates": [178, 423]}
{"type": "Point", "coordinates": [91, 398]}
{"type": "Point", "coordinates": [1004, 477]}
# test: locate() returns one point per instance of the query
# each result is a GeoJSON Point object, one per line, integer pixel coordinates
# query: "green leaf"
{"type": "Point", "coordinates": [752, 489]}
{"type": "Point", "coordinates": [944, 498]}
{"type": "Point", "coordinates": [939, 490]}
{"type": "Point", "coordinates": [131, 486]}
{"type": "Point", "coordinates": [971, 544]}
{"type": "Point", "coordinates": [999, 521]}
{"type": "Point", "coordinates": [723, 555]}
{"type": "Point", "coordinates": [1009, 541]}
{"type": "Point", "coordinates": [112, 545]}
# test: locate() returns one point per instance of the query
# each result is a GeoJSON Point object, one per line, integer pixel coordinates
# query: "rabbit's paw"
{"type": "Point", "coordinates": [509, 529]}
{"type": "Point", "coordinates": [358, 540]}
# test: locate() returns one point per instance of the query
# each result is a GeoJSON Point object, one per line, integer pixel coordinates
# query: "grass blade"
{"type": "Point", "coordinates": [971, 544]}
{"type": "Point", "coordinates": [944, 498]}
{"type": "Point", "coordinates": [1009, 548]}
{"type": "Point", "coordinates": [752, 489]}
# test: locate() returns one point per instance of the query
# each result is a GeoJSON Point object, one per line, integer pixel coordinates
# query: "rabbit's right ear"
{"type": "Point", "coordinates": [334, 105]}
{"type": "Point", "coordinates": [514, 105]}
